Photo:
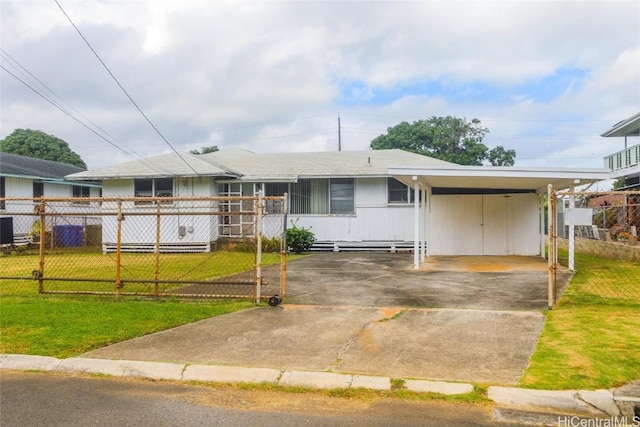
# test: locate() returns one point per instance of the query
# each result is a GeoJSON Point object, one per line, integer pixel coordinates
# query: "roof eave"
{"type": "Point", "coordinates": [628, 127]}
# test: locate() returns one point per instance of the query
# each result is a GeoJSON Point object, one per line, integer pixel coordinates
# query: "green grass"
{"type": "Point", "coordinates": [95, 265]}
{"type": "Point", "coordinates": [65, 325]}
{"type": "Point", "coordinates": [592, 339]}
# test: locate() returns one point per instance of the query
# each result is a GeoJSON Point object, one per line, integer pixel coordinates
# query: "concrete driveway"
{"type": "Point", "coordinates": [368, 313]}
{"type": "Point", "coordinates": [380, 279]}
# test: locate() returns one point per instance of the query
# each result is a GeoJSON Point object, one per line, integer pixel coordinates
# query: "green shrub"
{"type": "Point", "coordinates": [299, 239]}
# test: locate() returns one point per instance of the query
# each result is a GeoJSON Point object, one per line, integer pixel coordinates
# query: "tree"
{"type": "Point", "coordinates": [205, 150]}
{"type": "Point", "coordinates": [37, 144]}
{"type": "Point", "coordinates": [446, 138]}
{"type": "Point", "coordinates": [619, 183]}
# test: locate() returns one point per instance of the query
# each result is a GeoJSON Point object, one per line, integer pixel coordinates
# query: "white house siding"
{"type": "Point", "coordinates": [489, 224]}
{"type": "Point", "coordinates": [16, 187]}
{"type": "Point", "coordinates": [19, 187]}
{"type": "Point", "coordinates": [137, 229]}
{"type": "Point", "coordinates": [374, 219]}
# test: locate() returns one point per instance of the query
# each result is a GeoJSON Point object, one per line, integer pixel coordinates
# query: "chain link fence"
{"type": "Point", "coordinates": [212, 247]}
{"type": "Point", "coordinates": [598, 232]}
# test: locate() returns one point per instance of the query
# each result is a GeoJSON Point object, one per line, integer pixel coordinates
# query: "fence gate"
{"type": "Point", "coordinates": [592, 225]}
{"type": "Point", "coordinates": [195, 247]}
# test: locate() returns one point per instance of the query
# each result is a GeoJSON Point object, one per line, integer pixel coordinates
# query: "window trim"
{"type": "Point", "coordinates": [335, 196]}
{"type": "Point", "coordinates": [154, 190]}
{"type": "Point", "coordinates": [81, 189]}
{"type": "Point", "coordinates": [40, 186]}
{"type": "Point", "coordinates": [319, 197]}
{"type": "Point", "coordinates": [409, 198]}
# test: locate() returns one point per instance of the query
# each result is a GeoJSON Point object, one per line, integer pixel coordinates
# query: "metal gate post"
{"type": "Point", "coordinates": [572, 233]}
{"type": "Point", "coordinates": [283, 248]}
{"type": "Point", "coordinates": [119, 250]}
{"type": "Point", "coordinates": [43, 238]}
{"type": "Point", "coordinates": [552, 247]}
{"type": "Point", "coordinates": [157, 249]}
{"type": "Point", "coordinates": [258, 270]}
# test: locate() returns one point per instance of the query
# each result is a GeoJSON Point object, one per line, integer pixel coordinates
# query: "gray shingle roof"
{"type": "Point", "coordinates": [163, 165]}
{"type": "Point", "coordinates": [249, 166]}
{"type": "Point", "coordinates": [16, 165]}
{"type": "Point", "coordinates": [254, 166]}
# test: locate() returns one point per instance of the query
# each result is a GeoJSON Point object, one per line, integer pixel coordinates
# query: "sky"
{"type": "Point", "coordinates": [545, 77]}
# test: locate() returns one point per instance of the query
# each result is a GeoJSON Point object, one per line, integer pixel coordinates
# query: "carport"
{"type": "Point", "coordinates": [484, 210]}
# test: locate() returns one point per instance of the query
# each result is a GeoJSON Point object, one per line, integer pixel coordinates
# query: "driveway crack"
{"type": "Point", "coordinates": [357, 337]}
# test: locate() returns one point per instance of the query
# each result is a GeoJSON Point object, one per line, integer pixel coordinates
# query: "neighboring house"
{"type": "Point", "coordinates": [358, 199]}
{"type": "Point", "coordinates": [26, 178]}
{"type": "Point", "coordinates": [625, 163]}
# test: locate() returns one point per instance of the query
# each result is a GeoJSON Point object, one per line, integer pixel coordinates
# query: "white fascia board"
{"type": "Point", "coordinates": [632, 171]}
{"type": "Point", "coordinates": [628, 127]}
{"type": "Point", "coordinates": [97, 177]}
{"type": "Point", "coordinates": [502, 172]}
{"type": "Point", "coordinates": [258, 178]}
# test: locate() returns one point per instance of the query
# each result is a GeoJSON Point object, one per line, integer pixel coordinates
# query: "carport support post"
{"type": "Point", "coordinates": [423, 220]}
{"type": "Point", "coordinates": [416, 224]}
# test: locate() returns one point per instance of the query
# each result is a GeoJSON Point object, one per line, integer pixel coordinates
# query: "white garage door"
{"type": "Point", "coordinates": [487, 224]}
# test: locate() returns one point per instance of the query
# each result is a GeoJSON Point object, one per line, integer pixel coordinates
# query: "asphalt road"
{"type": "Point", "coordinates": [46, 399]}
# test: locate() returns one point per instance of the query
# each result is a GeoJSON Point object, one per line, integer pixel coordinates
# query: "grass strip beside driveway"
{"type": "Point", "coordinates": [592, 339]}
{"type": "Point", "coordinates": [62, 326]}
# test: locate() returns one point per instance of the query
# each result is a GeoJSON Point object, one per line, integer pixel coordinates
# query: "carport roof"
{"type": "Point", "coordinates": [494, 177]}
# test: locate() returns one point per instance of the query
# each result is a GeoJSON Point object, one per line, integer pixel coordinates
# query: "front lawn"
{"type": "Point", "coordinates": [66, 325]}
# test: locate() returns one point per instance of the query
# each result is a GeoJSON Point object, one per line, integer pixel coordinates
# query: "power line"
{"type": "Point", "coordinates": [18, 64]}
{"type": "Point", "coordinates": [123, 89]}
{"type": "Point", "coordinates": [68, 113]}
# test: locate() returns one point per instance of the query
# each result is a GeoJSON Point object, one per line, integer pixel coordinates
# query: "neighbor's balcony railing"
{"type": "Point", "coordinates": [623, 159]}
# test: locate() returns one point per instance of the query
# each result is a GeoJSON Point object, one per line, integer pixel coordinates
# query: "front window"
{"type": "Point", "coordinates": [163, 187]}
{"type": "Point", "coordinates": [2, 193]}
{"type": "Point", "coordinates": [38, 189]}
{"type": "Point", "coordinates": [150, 187]}
{"type": "Point", "coordinates": [79, 191]}
{"type": "Point", "coordinates": [309, 196]}
{"type": "Point", "coordinates": [323, 196]}
{"type": "Point", "coordinates": [342, 200]}
{"type": "Point", "coordinates": [275, 189]}
{"type": "Point", "coordinates": [397, 192]}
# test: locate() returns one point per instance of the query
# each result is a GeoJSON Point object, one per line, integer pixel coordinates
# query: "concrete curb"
{"type": "Point", "coordinates": [214, 373]}
{"type": "Point", "coordinates": [512, 404]}
{"type": "Point", "coordinates": [582, 403]}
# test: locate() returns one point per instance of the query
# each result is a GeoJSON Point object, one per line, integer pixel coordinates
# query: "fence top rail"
{"type": "Point", "coordinates": [597, 193]}
{"type": "Point", "coordinates": [161, 200]}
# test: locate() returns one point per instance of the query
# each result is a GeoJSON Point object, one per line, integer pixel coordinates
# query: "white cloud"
{"type": "Point", "coordinates": [268, 75]}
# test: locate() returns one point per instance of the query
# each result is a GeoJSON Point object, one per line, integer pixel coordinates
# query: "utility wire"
{"type": "Point", "coordinates": [123, 89]}
{"type": "Point", "coordinates": [65, 111]}
{"type": "Point", "coordinates": [43, 85]}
